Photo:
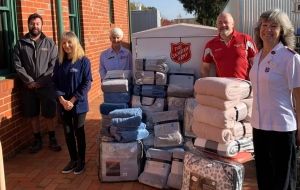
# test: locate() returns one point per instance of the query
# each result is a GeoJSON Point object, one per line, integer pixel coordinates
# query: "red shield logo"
{"type": "Point", "coordinates": [180, 52]}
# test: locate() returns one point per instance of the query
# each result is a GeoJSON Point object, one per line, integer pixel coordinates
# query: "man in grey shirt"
{"type": "Point", "coordinates": [34, 60]}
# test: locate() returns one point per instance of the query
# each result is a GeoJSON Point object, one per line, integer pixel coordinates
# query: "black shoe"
{"type": "Point", "coordinates": [69, 168]}
{"type": "Point", "coordinates": [79, 168]}
{"type": "Point", "coordinates": [36, 146]}
{"type": "Point", "coordinates": [53, 145]}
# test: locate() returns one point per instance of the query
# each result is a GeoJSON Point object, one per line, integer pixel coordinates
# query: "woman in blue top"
{"type": "Point", "coordinates": [72, 77]}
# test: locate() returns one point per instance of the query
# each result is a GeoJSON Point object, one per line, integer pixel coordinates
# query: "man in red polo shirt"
{"type": "Point", "coordinates": [231, 51]}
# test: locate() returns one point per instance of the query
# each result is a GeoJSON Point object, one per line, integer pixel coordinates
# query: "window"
{"type": "Point", "coordinates": [111, 11]}
{"type": "Point", "coordinates": [74, 17]}
{"type": "Point", "coordinates": [8, 35]}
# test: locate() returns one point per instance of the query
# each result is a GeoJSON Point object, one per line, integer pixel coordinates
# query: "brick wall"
{"type": "Point", "coordinates": [15, 133]}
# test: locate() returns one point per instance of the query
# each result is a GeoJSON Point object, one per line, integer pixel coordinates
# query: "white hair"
{"type": "Point", "coordinates": [116, 32]}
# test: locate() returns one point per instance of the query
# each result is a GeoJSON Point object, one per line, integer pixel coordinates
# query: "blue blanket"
{"type": "Point", "coordinates": [125, 113]}
{"type": "Point", "coordinates": [129, 136]}
{"type": "Point", "coordinates": [105, 108]}
{"type": "Point", "coordinates": [116, 97]}
{"type": "Point", "coordinates": [130, 122]}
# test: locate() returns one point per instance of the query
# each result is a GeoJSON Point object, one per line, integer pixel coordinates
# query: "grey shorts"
{"type": "Point", "coordinates": [39, 101]}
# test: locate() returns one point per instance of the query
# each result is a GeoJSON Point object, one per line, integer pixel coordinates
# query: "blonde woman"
{"type": "Point", "coordinates": [72, 77]}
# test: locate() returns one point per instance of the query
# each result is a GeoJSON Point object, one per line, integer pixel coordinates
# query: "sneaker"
{"type": "Point", "coordinates": [36, 146]}
{"type": "Point", "coordinates": [79, 168]}
{"type": "Point", "coordinates": [69, 167]}
{"type": "Point", "coordinates": [53, 145]}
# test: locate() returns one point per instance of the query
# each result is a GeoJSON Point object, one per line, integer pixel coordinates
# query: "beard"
{"type": "Point", "coordinates": [226, 32]}
{"type": "Point", "coordinates": [35, 32]}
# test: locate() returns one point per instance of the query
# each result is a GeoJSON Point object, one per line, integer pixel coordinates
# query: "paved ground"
{"type": "Point", "coordinates": [42, 170]}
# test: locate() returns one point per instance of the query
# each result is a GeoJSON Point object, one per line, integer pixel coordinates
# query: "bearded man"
{"type": "Point", "coordinates": [34, 59]}
{"type": "Point", "coordinates": [232, 52]}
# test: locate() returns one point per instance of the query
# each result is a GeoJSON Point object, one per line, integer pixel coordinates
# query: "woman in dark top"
{"type": "Point", "coordinates": [72, 77]}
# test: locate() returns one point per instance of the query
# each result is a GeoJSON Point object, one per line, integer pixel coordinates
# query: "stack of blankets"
{"type": "Point", "coordinates": [127, 126]}
{"type": "Point", "coordinates": [181, 87]}
{"type": "Point", "coordinates": [166, 137]}
{"type": "Point", "coordinates": [163, 168]}
{"type": "Point", "coordinates": [116, 88]}
{"type": "Point", "coordinates": [221, 117]}
{"type": "Point", "coordinates": [150, 79]}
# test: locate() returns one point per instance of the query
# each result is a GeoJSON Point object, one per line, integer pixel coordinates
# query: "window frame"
{"type": "Point", "coordinates": [10, 32]}
{"type": "Point", "coordinates": [111, 11]}
{"type": "Point", "coordinates": [74, 17]}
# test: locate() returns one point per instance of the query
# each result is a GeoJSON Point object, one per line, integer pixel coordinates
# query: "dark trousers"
{"type": "Point", "coordinates": [75, 135]}
{"type": "Point", "coordinates": [275, 159]}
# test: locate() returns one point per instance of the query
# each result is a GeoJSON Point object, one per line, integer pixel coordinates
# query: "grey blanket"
{"type": "Point", "coordinates": [157, 168]}
{"type": "Point", "coordinates": [159, 65]}
{"type": "Point", "coordinates": [150, 77]}
{"type": "Point", "coordinates": [181, 83]}
{"type": "Point", "coordinates": [155, 118]}
{"type": "Point", "coordinates": [118, 74]}
{"type": "Point", "coordinates": [167, 135]}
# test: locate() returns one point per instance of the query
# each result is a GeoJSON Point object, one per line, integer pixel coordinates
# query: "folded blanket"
{"type": "Point", "coordinates": [128, 122]}
{"type": "Point", "coordinates": [154, 91]}
{"type": "Point", "coordinates": [220, 118]}
{"type": "Point", "coordinates": [159, 154]}
{"type": "Point", "coordinates": [159, 65]}
{"type": "Point", "coordinates": [116, 97]}
{"type": "Point", "coordinates": [224, 88]}
{"type": "Point", "coordinates": [125, 113]}
{"type": "Point", "coordinates": [157, 168]}
{"type": "Point", "coordinates": [129, 136]}
{"type": "Point", "coordinates": [150, 77]}
{"type": "Point", "coordinates": [220, 135]}
{"type": "Point", "coordinates": [115, 85]}
{"type": "Point", "coordinates": [176, 104]}
{"type": "Point", "coordinates": [147, 104]}
{"type": "Point", "coordinates": [167, 135]}
{"type": "Point", "coordinates": [105, 108]}
{"type": "Point", "coordinates": [189, 107]}
{"type": "Point", "coordinates": [181, 85]}
{"type": "Point", "coordinates": [156, 118]}
{"type": "Point", "coordinates": [118, 74]}
{"type": "Point", "coordinates": [212, 101]}
{"type": "Point", "coordinates": [248, 102]}
{"type": "Point", "coordinates": [228, 150]}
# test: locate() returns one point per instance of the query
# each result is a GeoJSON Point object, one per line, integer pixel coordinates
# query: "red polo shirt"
{"type": "Point", "coordinates": [231, 59]}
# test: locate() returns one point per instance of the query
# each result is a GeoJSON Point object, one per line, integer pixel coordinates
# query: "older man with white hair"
{"type": "Point", "coordinates": [116, 57]}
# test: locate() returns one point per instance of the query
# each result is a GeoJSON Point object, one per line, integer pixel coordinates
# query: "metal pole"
{"type": "Point", "coordinates": [59, 19]}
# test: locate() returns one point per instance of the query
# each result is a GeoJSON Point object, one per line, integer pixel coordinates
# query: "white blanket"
{"type": "Point", "coordinates": [228, 150]}
{"type": "Point", "coordinates": [215, 102]}
{"type": "Point", "coordinates": [248, 102]}
{"type": "Point", "coordinates": [220, 118]}
{"type": "Point", "coordinates": [220, 135]}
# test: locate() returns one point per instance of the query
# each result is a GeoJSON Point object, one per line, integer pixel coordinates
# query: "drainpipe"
{"type": "Point", "coordinates": [129, 22]}
{"type": "Point", "coordinates": [59, 19]}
